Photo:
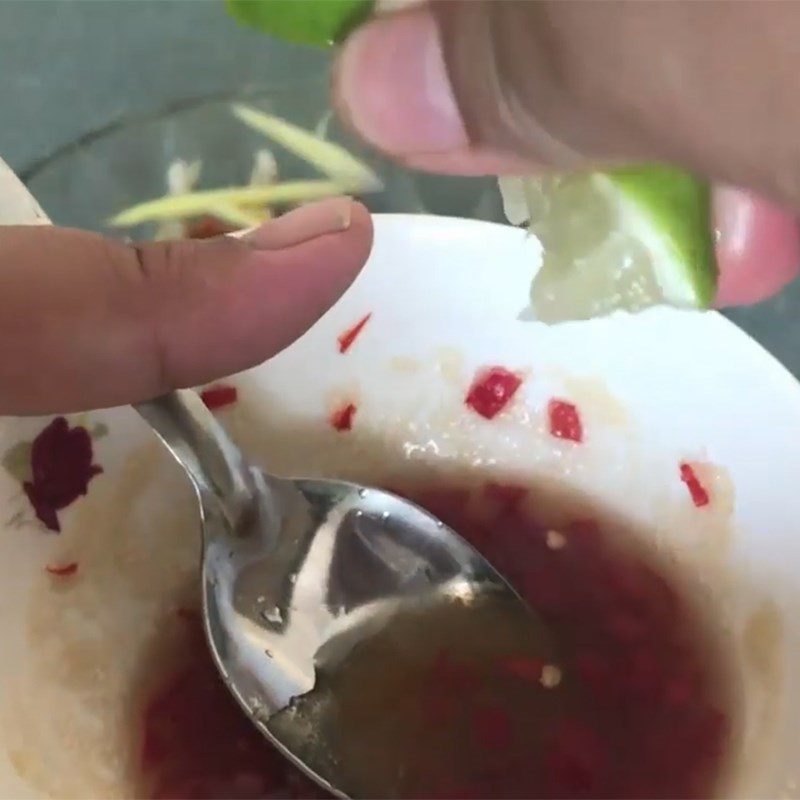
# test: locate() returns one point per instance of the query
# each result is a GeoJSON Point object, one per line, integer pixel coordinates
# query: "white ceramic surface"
{"type": "Point", "coordinates": [653, 390]}
{"type": "Point", "coordinates": [17, 207]}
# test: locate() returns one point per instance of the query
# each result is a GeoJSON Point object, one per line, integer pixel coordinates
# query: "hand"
{"type": "Point", "coordinates": [506, 86]}
{"type": "Point", "coordinates": [87, 322]}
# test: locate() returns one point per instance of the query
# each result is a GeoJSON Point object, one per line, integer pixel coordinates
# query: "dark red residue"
{"type": "Point", "coordinates": [207, 228]}
{"type": "Point", "coordinates": [506, 495]}
{"type": "Point", "coordinates": [565, 422]}
{"type": "Point", "coordinates": [197, 743]}
{"type": "Point", "coordinates": [346, 338]}
{"type": "Point", "coordinates": [61, 466]}
{"type": "Point", "coordinates": [62, 570]}
{"type": "Point", "coordinates": [342, 418]}
{"type": "Point", "coordinates": [526, 668]}
{"type": "Point", "coordinates": [492, 390]}
{"type": "Point", "coordinates": [441, 707]}
{"type": "Point", "coordinates": [491, 728]}
{"type": "Point", "coordinates": [219, 396]}
{"type": "Point", "coordinates": [574, 760]}
{"type": "Point", "coordinates": [696, 489]}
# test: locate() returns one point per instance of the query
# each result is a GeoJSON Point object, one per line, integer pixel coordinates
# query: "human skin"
{"type": "Point", "coordinates": [88, 322]}
{"type": "Point", "coordinates": [506, 86]}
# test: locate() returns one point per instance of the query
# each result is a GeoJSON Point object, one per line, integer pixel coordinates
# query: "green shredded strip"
{"type": "Point", "coordinates": [239, 205]}
{"type": "Point", "coordinates": [329, 158]}
{"type": "Point", "coordinates": [181, 206]}
{"type": "Point", "coordinates": [237, 215]}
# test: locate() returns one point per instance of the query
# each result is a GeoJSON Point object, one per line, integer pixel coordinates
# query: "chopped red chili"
{"type": "Point", "coordinates": [219, 396]}
{"type": "Point", "coordinates": [696, 489]}
{"type": "Point", "coordinates": [346, 338]}
{"type": "Point", "coordinates": [565, 422]}
{"type": "Point", "coordinates": [492, 390]}
{"type": "Point", "coordinates": [207, 228]}
{"type": "Point", "coordinates": [61, 467]}
{"type": "Point", "coordinates": [342, 418]}
{"type": "Point", "coordinates": [62, 570]}
{"type": "Point", "coordinates": [196, 742]}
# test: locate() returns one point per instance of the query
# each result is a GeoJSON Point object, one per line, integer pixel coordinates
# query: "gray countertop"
{"type": "Point", "coordinates": [70, 66]}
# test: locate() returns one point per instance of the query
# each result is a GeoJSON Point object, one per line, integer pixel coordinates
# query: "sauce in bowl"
{"type": "Point", "coordinates": [624, 693]}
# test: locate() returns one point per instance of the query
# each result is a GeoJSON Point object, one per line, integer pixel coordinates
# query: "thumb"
{"type": "Point", "coordinates": [502, 86]}
{"type": "Point", "coordinates": [87, 322]}
{"type": "Point", "coordinates": [709, 86]}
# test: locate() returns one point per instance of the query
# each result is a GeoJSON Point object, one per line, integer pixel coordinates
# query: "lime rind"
{"type": "Point", "coordinates": [670, 211]}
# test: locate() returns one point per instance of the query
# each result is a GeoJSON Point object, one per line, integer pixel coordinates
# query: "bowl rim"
{"type": "Point", "coordinates": [33, 169]}
{"type": "Point", "coordinates": [779, 370]}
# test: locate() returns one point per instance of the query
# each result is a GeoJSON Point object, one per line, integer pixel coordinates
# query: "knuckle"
{"type": "Point", "coordinates": [159, 270]}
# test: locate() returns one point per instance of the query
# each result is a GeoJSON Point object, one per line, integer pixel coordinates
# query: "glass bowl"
{"type": "Point", "coordinates": [87, 181]}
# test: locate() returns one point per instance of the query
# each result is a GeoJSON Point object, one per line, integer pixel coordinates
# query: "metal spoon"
{"type": "Point", "coordinates": [295, 570]}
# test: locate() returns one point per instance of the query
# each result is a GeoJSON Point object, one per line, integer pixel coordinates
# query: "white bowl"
{"type": "Point", "coordinates": [654, 390]}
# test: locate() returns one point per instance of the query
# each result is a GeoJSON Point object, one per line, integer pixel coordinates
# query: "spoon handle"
{"type": "Point", "coordinates": [203, 448]}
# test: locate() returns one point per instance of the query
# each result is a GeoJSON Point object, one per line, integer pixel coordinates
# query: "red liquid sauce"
{"type": "Point", "coordinates": [639, 705]}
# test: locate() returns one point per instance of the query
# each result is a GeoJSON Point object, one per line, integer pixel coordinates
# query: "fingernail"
{"type": "Point", "coordinates": [391, 85]}
{"type": "Point", "coordinates": [302, 224]}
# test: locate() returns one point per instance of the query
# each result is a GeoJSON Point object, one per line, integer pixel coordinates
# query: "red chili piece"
{"type": "Point", "coordinates": [346, 338]}
{"type": "Point", "coordinates": [492, 390]}
{"type": "Point", "coordinates": [342, 418]}
{"type": "Point", "coordinates": [61, 465]}
{"type": "Point", "coordinates": [696, 489]}
{"type": "Point", "coordinates": [207, 228]}
{"type": "Point", "coordinates": [219, 396]}
{"type": "Point", "coordinates": [62, 570]}
{"type": "Point", "coordinates": [565, 422]}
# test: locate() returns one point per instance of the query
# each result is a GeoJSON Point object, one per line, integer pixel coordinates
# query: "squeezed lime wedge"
{"type": "Point", "coordinates": [320, 23]}
{"type": "Point", "coordinates": [625, 239]}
